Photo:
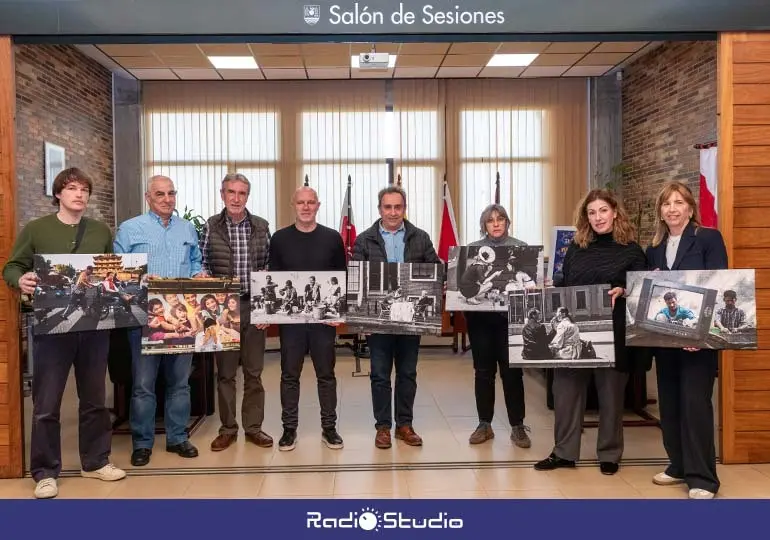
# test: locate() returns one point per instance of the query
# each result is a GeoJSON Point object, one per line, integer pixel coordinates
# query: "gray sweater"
{"type": "Point", "coordinates": [505, 241]}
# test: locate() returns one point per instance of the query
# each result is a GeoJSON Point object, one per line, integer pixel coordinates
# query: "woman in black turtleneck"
{"type": "Point", "coordinates": [602, 251]}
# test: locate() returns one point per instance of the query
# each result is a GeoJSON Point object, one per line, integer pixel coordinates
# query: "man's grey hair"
{"type": "Point", "coordinates": [235, 177]}
{"type": "Point", "coordinates": [486, 215]}
{"type": "Point", "coordinates": [388, 190]}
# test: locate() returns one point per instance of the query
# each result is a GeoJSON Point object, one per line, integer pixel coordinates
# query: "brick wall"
{"type": "Point", "coordinates": [669, 104]}
{"type": "Point", "coordinates": [65, 98]}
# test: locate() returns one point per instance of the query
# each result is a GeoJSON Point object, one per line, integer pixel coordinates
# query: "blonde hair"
{"type": "Point", "coordinates": [623, 231]}
{"type": "Point", "coordinates": [669, 188]}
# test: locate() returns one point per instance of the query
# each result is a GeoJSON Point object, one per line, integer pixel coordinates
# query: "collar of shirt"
{"type": "Point", "coordinates": [401, 229]}
{"type": "Point", "coordinates": [157, 218]}
{"type": "Point", "coordinates": [231, 221]}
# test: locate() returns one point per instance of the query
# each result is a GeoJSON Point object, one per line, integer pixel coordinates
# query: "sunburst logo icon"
{"type": "Point", "coordinates": [369, 520]}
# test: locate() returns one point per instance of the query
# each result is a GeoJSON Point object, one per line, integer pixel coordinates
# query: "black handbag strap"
{"type": "Point", "coordinates": [79, 234]}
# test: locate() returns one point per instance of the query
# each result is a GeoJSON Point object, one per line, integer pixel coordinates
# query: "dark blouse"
{"type": "Point", "coordinates": [606, 261]}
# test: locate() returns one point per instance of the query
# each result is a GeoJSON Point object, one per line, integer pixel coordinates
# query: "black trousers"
{"type": "Point", "coordinates": [685, 388]}
{"type": "Point", "coordinates": [54, 356]}
{"type": "Point", "coordinates": [296, 341]}
{"type": "Point", "coordinates": [488, 335]}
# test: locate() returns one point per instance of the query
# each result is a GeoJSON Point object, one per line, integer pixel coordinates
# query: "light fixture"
{"type": "Point", "coordinates": [233, 62]}
{"type": "Point", "coordinates": [354, 61]}
{"type": "Point", "coordinates": [511, 60]}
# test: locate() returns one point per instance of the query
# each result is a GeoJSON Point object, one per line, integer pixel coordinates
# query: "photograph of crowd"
{"type": "Point", "coordinates": [297, 297]}
{"type": "Point", "coordinates": [561, 327]}
{"type": "Point", "coordinates": [706, 309]}
{"type": "Point", "coordinates": [395, 298]}
{"type": "Point", "coordinates": [77, 293]}
{"type": "Point", "coordinates": [479, 278]}
{"type": "Point", "coordinates": [192, 315]}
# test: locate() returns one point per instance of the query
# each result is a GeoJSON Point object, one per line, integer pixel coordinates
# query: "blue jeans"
{"type": "Point", "coordinates": [385, 350]}
{"type": "Point", "coordinates": [144, 370]}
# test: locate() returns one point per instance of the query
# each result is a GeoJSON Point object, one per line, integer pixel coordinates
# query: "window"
{"type": "Point", "coordinates": [383, 277]}
{"type": "Point", "coordinates": [197, 149]}
{"type": "Point", "coordinates": [354, 278]}
{"type": "Point", "coordinates": [508, 142]}
{"type": "Point", "coordinates": [419, 164]}
{"type": "Point", "coordinates": [359, 144]}
{"type": "Point", "coordinates": [338, 144]}
{"type": "Point", "coordinates": [422, 272]}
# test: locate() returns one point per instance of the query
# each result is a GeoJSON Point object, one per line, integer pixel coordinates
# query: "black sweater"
{"type": "Point", "coordinates": [606, 261]}
{"type": "Point", "coordinates": [319, 250]}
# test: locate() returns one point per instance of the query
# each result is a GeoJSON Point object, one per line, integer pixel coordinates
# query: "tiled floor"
{"type": "Point", "coordinates": [632, 482]}
{"type": "Point", "coordinates": [446, 466]}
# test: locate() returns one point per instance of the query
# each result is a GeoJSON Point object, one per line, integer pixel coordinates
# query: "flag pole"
{"type": "Point", "coordinates": [307, 181]}
{"type": "Point", "coordinates": [497, 188]}
{"type": "Point", "coordinates": [349, 211]}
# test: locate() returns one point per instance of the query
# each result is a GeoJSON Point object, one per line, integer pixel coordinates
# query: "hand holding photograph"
{"type": "Point", "coordinates": [706, 309]}
{"type": "Point", "coordinates": [479, 278]}
{"type": "Point", "coordinates": [561, 327]}
{"type": "Point", "coordinates": [192, 315]}
{"type": "Point", "coordinates": [297, 297]}
{"type": "Point", "coordinates": [395, 298]}
{"type": "Point", "coordinates": [79, 293]}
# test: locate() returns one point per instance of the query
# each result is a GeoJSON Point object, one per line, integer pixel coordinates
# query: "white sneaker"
{"type": "Point", "coordinates": [108, 473]}
{"type": "Point", "coordinates": [662, 479]}
{"type": "Point", "coordinates": [46, 489]}
{"type": "Point", "coordinates": [697, 493]}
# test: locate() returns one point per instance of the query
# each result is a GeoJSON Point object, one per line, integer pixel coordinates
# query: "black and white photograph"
{"type": "Point", "coordinates": [395, 298]}
{"type": "Point", "coordinates": [78, 293]}
{"type": "Point", "coordinates": [561, 327]}
{"type": "Point", "coordinates": [192, 316]}
{"type": "Point", "coordinates": [297, 297]}
{"type": "Point", "coordinates": [706, 309]}
{"type": "Point", "coordinates": [479, 278]}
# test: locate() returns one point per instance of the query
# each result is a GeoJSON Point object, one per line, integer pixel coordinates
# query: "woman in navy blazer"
{"type": "Point", "coordinates": [686, 376]}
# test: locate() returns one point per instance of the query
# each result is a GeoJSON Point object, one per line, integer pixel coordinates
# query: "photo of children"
{"type": "Point", "coordinates": [186, 315]}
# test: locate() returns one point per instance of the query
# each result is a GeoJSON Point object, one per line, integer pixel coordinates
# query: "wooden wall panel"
{"type": "Point", "coordinates": [11, 435]}
{"type": "Point", "coordinates": [744, 205]}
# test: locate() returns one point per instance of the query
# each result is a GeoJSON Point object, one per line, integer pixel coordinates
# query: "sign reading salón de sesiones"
{"type": "Point", "coordinates": [360, 14]}
{"type": "Point", "coordinates": [309, 17]}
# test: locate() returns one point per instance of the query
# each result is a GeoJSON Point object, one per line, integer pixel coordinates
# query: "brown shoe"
{"type": "Point", "coordinates": [382, 439]}
{"type": "Point", "coordinates": [482, 434]}
{"type": "Point", "coordinates": [407, 434]}
{"type": "Point", "coordinates": [260, 438]}
{"type": "Point", "coordinates": [223, 441]}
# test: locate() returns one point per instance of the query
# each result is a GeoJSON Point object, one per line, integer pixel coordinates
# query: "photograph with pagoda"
{"type": "Point", "coordinates": [77, 293]}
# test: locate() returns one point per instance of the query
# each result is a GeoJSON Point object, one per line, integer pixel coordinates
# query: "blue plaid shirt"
{"type": "Point", "coordinates": [172, 251]}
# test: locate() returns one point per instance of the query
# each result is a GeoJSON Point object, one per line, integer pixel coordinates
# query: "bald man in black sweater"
{"type": "Point", "coordinates": [308, 246]}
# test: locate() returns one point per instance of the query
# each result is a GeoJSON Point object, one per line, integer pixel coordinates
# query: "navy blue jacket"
{"type": "Point", "coordinates": [699, 249]}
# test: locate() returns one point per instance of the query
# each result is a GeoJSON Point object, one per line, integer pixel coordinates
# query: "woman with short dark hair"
{"type": "Point", "coordinates": [488, 335]}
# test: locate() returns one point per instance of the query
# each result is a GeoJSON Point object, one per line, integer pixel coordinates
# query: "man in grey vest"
{"type": "Point", "coordinates": [234, 243]}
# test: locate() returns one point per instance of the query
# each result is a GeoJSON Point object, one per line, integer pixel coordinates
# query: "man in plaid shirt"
{"type": "Point", "coordinates": [730, 319]}
{"type": "Point", "coordinates": [234, 243]}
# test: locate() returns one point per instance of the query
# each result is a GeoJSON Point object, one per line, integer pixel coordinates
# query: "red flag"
{"type": "Point", "coordinates": [708, 186]}
{"type": "Point", "coordinates": [347, 227]}
{"type": "Point", "coordinates": [448, 236]}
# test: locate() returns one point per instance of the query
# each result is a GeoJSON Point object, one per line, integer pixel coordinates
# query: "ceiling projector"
{"type": "Point", "coordinates": [373, 60]}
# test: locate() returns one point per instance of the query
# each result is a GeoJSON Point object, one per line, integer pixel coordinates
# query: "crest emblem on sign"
{"type": "Point", "coordinates": [312, 14]}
